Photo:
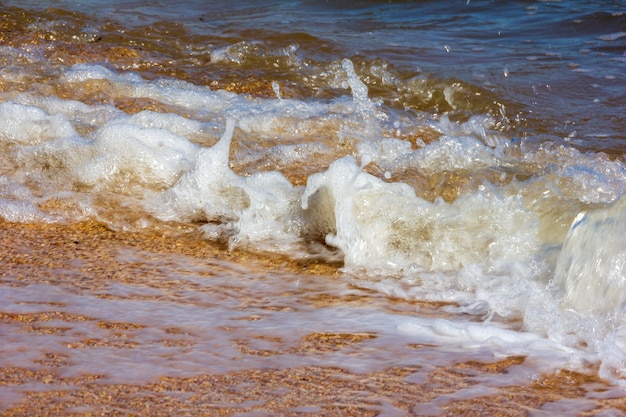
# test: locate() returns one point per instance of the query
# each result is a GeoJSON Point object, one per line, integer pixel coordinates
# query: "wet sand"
{"type": "Point", "coordinates": [32, 254]}
{"type": "Point", "coordinates": [84, 259]}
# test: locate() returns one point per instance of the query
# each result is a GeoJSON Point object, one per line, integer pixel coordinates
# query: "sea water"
{"type": "Point", "coordinates": [468, 153]}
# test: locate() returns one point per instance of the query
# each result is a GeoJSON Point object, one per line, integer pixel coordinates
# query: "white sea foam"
{"type": "Point", "coordinates": [501, 341]}
{"type": "Point", "coordinates": [384, 225]}
{"type": "Point", "coordinates": [256, 211]}
{"type": "Point", "coordinates": [29, 125]}
{"type": "Point", "coordinates": [21, 211]}
{"type": "Point", "coordinates": [497, 252]}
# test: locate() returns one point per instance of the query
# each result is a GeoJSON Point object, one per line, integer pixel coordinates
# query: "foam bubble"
{"type": "Point", "coordinates": [121, 154]}
{"type": "Point", "coordinates": [192, 197]}
{"type": "Point", "coordinates": [29, 125]}
{"type": "Point", "coordinates": [541, 351]}
{"type": "Point", "coordinates": [87, 72]}
{"type": "Point", "coordinates": [22, 212]}
{"type": "Point", "coordinates": [154, 157]}
{"type": "Point", "coordinates": [255, 211]}
{"type": "Point", "coordinates": [385, 225]}
{"type": "Point", "coordinates": [452, 152]}
{"type": "Point", "coordinates": [75, 112]}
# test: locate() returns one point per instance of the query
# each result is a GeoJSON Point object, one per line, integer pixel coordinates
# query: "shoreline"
{"type": "Point", "coordinates": [40, 254]}
{"type": "Point", "coordinates": [162, 322]}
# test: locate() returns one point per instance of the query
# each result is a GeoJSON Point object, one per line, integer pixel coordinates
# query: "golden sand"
{"type": "Point", "coordinates": [33, 253]}
{"type": "Point", "coordinates": [29, 254]}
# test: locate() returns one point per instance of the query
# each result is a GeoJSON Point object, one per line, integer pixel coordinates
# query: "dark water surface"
{"type": "Point", "coordinates": [550, 70]}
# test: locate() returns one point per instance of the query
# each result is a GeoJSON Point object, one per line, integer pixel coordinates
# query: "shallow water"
{"type": "Point", "coordinates": [72, 324]}
{"type": "Point", "coordinates": [470, 155]}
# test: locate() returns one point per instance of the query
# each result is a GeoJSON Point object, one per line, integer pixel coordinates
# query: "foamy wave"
{"type": "Point", "coordinates": [498, 248]}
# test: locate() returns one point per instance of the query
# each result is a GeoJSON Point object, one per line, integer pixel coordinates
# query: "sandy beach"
{"type": "Point", "coordinates": [472, 172]}
{"type": "Point", "coordinates": [32, 253]}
